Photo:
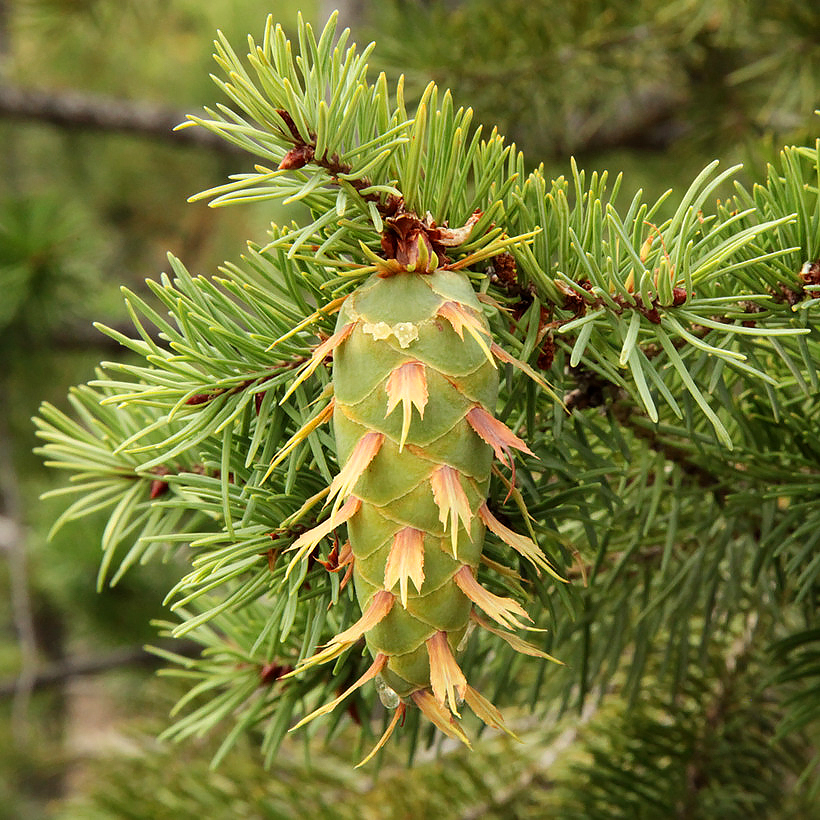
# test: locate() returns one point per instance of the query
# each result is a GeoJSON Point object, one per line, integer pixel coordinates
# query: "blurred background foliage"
{"type": "Point", "coordinates": [93, 189]}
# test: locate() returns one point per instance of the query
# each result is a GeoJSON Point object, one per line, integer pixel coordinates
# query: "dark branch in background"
{"type": "Point", "coordinates": [646, 121]}
{"type": "Point", "coordinates": [75, 336]}
{"type": "Point", "coordinates": [11, 543]}
{"type": "Point", "coordinates": [705, 478]}
{"type": "Point", "coordinates": [653, 125]}
{"type": "Point", "coordinates": [699, 771]}
{"type": "Point", "coordinates": [350, 11]}
{"type": "Point", "coordinates": [592, 390]}
{"type": "Point", "coordinates": [58, 673]}
{"type": "Point", "coordinates": [4, 34]}
{"type": "Point", "coordinates": [70, 109]}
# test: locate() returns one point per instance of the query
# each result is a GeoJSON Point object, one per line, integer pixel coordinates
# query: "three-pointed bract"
{"type": "Point", "coordinates": [405, 562]}
{"type": "Point", "coordinates": [363, 453]}
{"type": "Point", "coordinates": [451, 501]}
{"type": "Point", "coordinates": [446, 678]}
{"type": "Point", "coordinates": [407, 384]}
{"type": "Point", "coordinates": [504, 610]}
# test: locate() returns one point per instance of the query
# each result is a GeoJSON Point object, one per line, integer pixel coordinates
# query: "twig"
{"type": "Point", "coordinates": [304, 152]}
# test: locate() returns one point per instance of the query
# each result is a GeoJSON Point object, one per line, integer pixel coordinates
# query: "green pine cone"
{"type": "Point", "coordinates": [415, 387]}
{"type": "Point", "coordinates": [397, 325]}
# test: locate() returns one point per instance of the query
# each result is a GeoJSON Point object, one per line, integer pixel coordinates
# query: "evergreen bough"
{"type": "Point", "coordinates": [674, 481]}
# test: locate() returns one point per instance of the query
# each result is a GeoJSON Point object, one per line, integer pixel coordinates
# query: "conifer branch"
{"type": "Point", "coordinates": [673, 329]}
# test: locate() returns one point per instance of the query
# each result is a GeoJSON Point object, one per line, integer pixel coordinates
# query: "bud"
{"type": "Point", "coordinates": [296, 158]}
